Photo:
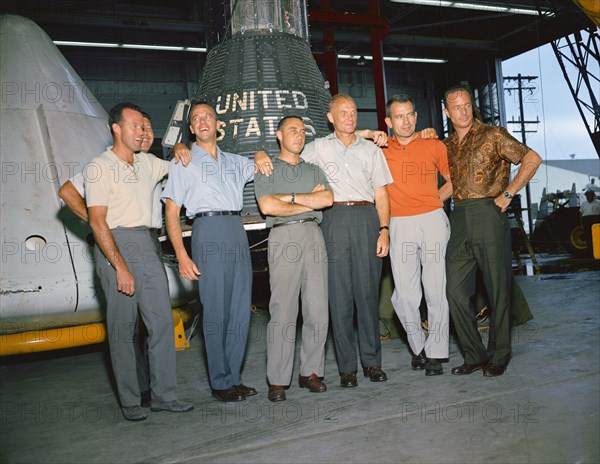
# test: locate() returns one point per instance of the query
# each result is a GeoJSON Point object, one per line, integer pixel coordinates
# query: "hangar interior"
{"type": "Point", "coordinates": [60, 406]}
{"type": "Point", "coordinates": [366, 48]}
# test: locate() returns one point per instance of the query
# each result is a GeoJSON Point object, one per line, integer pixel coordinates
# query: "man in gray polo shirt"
{"type": "Point", "coordinates": [291, 198]}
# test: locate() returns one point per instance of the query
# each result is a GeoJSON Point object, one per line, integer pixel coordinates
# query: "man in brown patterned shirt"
{"type": "Point", "coordinates": [480, 157]}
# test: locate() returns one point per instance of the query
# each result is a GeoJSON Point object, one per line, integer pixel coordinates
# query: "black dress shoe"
{"type": "Point", "coordinates": [245, 390]}
{"type": "Point", "coordinates": [276, 393]}
{"type": "Point", "coordinates": [434, 367]}
{"type": "Point", "coordinates": [375, 374]}
{"type": "Point", "coordinates": [313, 383]}
{"type": "Point", "coordinates": [467, 369]}
{"type": "Point", "coordinates": [493, 370]}
{"type": "Point", "coordinates": [230, 394]}
{"type": "Point", "coordinates": [348, 379]}
{"type": "Point", "coordinates": [419, 361]}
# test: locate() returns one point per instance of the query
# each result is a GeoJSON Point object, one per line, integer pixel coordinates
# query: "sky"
{"type": "Point", "coordinates": [561, 131]}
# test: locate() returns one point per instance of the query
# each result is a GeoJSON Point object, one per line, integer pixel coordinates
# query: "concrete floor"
{"type": "Point", "coordinates": [60, 407]}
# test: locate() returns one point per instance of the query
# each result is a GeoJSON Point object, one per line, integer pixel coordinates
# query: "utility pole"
{"type": "Point", "coordinates": [520, 87]}
{"type": "Point", "coordinates": [520, 80]}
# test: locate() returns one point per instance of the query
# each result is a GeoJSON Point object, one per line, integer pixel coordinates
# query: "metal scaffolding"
{"type": "Point", "coordinates": [579, 51]}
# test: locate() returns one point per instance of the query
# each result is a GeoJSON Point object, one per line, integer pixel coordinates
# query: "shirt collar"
{"type": "Point", "coordinates": [476, 127]}
{"type": "Point", "coordinates": [396, 144]}
{"type": "Point", "coordinates": [201, 151]}
{"type": "Point", "coordinates": [114, 157]}
{"type": "Point", "coordinates": [332, 136]}
{"type": "Point", "coordinates": [277, 159]}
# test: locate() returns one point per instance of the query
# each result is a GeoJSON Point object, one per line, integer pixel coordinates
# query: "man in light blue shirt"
{"type": "Point", "coordinates": [211, 189]}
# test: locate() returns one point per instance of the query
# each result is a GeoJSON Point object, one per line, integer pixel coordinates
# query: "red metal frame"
{"type": "Point", "coordinates": [379, 26]}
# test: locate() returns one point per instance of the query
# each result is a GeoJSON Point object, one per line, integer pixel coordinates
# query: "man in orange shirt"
{"type": "Point", "coordinates": [419, 233]}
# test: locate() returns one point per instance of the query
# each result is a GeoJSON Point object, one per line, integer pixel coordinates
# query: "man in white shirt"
{"type": "Point", "coordinates": [590, 215]}
{"type": "Point", "coordinates": [119, 186]}
{"type": "Point", "coordinates": [72, 193]}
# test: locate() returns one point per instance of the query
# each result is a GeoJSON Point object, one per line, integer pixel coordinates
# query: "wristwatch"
{"type": "Point", "coordinates": [507, 194]}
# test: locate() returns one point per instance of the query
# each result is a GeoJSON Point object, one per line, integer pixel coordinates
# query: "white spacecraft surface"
{"type": "Point", "coordinates": [51, 126]}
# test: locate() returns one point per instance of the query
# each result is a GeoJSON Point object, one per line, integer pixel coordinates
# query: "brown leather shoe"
{"type": "Point", "coordinates": [467, 369]}
{"type": "Point", "coordinates": [419, 361]}
{"type": "Point", "coordinates": [375, 374]}
{"type": "Point", "coordinates": [493, 370]}
{"type": "Point", "coordinates": [348, 379]}
{"type": "Point", "coordinates": [276, 393]}
{"type": "Point", "coordinates": [245, 390]}
{"type": "Point", "coordinates": [313, 383]}
{"type": "Point", "coordinates": [230, 394]}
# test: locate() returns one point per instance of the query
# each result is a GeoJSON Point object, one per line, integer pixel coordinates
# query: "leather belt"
{"type": "Point", "coordinates": [154, 230]}
{"type": "Point", "coordinates": [352, 203]}
{"type": "Point", "coordinates": [299, 221]}
{"type": "Point", "coordinates": [217, 213]}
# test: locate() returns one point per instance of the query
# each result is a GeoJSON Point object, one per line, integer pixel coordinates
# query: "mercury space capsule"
{"type": "Point", "coordinates": [51, 126]}
{"type": "Point", "coordinates": [262, 71]}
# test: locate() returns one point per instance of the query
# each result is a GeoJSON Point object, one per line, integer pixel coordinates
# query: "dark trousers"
{"type": "Point", "coordinates": [221, 253]}
{"type": "Point", "coordinates": [354, 271]}
{"type": "Point", "coordinates": [151, 298]}
{"type": "Point", "coordinates": [519, 308]}
{"type": "Point", "coordinates": [480, 238]}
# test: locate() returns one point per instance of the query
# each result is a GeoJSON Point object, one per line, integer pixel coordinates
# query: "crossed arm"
{"type": "Point", "coordinates": [281, 204]}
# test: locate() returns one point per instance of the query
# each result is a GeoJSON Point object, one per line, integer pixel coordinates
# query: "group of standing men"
{"type": "Point", "coordinates": [367, 202]}
{"type": "Point", "coordinates": [391, 200]}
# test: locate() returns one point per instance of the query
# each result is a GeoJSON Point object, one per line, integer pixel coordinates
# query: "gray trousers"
{"type": "Point", "coordinates": [354, 272]}
{"type": "Point", "coordinates": [480, 238]}
{"type": "Point", "coordinates": [297, 266]}
{"type": "Point", "coordinates": [418, 256]}
{"type": "Point", "coordinates": [221, 253]}
{"type": "Point", "coordinates": [151, 298]}
{"type": "Point", "coordinates": [143, 369]}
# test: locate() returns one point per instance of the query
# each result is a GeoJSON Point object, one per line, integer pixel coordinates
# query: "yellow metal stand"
{"type": "Point", "coordinates": [68, 337]}
{"type": "Point", "coordinates": [596, 240]}
{"type": "Point", "coordinates": [181, 342]}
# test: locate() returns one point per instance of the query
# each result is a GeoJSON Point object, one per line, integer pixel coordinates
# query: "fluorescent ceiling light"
{"type": "Point", "coordinates": [498, 7]}
{"type": "Point", "coordinates": [203, 50]}
{"type": "Point", "coordinates": [85, 44]}
{"type": "Point", "coordinates": [131, 46]}
{"type": "Point", "coordinates": [405, 59]}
